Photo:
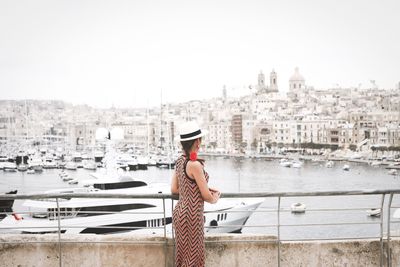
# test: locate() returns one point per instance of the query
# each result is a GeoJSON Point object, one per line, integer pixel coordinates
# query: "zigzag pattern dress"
{"type": "Point", "coordinates": [188, 220]}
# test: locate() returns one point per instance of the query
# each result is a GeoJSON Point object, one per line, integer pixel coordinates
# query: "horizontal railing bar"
{"type": "Point", "coordinates": [259, 210]}
{"type": "Point", "coordinates": [322, 209]}
{"type": "Point", "coordinates": [326, 224]}
{"type": "Point", "coordinates": [244, 241]}
{"type": "Point", "coordinates": [78, 226]}
{"type": "Point", "coordinates": [333, 238]}
{"type": "Point", "coordinates": [223, 195]}
{"type": "Point", "coordinates": [83, 242]}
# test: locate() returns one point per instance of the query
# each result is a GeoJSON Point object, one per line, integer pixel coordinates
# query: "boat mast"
{"type": "Point", "coordinates": [161, 113]}
{"type": "Point", "coordinates": [148, 128]}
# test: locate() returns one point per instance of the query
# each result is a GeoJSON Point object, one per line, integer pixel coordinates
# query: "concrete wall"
{"type": "Point", "coordinates": [221, 250]}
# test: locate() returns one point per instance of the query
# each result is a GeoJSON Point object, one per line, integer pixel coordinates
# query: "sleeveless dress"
{"type": "Point", "coordinates": [188, 220]}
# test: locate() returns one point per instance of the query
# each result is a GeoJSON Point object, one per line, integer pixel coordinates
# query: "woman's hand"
{"type": "Point", "coordinates": [216, 195]}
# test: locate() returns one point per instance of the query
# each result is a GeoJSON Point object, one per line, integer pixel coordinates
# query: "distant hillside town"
{"type": "Point", "coordinates": [266, 119]}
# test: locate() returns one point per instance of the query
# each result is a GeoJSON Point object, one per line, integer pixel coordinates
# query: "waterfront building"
{"type": "Point", "coordinates": [237, 131]}
{"type": "Point", "coordinates": [219, 138]}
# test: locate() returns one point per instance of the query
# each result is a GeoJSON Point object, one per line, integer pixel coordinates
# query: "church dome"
{"type": "Point", "coordinates": [296, 76]}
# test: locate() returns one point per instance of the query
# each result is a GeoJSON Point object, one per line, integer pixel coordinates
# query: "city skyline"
{"type": "Point", "coordinates": [102, 54]}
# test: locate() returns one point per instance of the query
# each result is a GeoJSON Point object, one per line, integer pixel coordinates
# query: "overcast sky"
{"type": "Point", "coordinates": [124, 52]}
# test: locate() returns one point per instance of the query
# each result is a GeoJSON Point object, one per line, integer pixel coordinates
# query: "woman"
{"type": "Point", "coordinates": [190, 182]}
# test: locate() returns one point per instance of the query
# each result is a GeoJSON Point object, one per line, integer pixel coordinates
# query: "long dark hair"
{"type": "Point", "coordinates": [187, 146]}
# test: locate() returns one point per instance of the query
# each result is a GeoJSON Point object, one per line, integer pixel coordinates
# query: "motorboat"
{"type": "Point", "coordinates": [127, 162]}
{"type": "Point", "coordinates": [165, 162]}
{"type": "Point", "coordinates": [36, 164]}
{"type": "Point", "coordinates": [346, 167]}
{"type": "Point", "coordinates": [114, 215]}
{"type": "Point", "coordinates": [49, 163]}
{"type": "Point", "coordinates": [10, 167]}
{"type": "Point", "coordinates": [375, 163]}
{"type": "Point", "coordinates": [30, 171]}
{"type": "Point", "coordinates": [374, 212]}
{"type": "Point", "coordinates": [89, 165]}
{"type": "Point", "coordinates": [67, 178]}
{"type": "Point", "coordinates": [71, 166]}
{"type": "Point", "coordinates": [298, 207]}
{"type": "Point", "coordinates": [392, 172]}
{"type": "Point", "coordinates": [98, 156]}
{"type": "Point", "coordinates": [22, 167]}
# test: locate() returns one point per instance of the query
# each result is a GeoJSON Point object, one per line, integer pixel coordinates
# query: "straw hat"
{"type": "Point", "coordinates": [189, 131]}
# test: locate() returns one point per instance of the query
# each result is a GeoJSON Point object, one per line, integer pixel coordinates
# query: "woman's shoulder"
{"type": "Point", "coordinates": [195, 164]}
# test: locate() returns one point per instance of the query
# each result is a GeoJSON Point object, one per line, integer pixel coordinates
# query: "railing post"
{"type": "Point", "coordinates": [389, 256]}
{"type": "Point", "coordinates": [165, 234]}
{"type": "Point", "coordinates": [59, 232]}
{"type": "Point", "coordinates": [279, 231]}
{"type": "Point", "coordinates": [381, 232]}
{"type": "Point", "coordinates": [172, 231]}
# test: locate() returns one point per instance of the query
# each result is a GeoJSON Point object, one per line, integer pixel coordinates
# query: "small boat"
{"type": "Point", "coordinates": [346, 167]}
{"type": "Point", "coordinates": [374, 212]}
{"type": "Point", "coordinates": [22, 167]}
{"type": "Point", "coordinates": [73, 181]}
{"type": "Point", "coordinates": [67, 178]}
{"type": "Point", "coordinates": [63, 174]}
{"type": "Point", "coordinates": [329, 164]}
{"type": "Point", "coordinates": [297, 164]}
{"type": "Point", "coordinates": [392, 172]}
{"type": "Point", "coordinates": [298, 207]}
{"type": "Point", "coordinates": [375, 163]}
{"type": "Point", "coordinates": [30, 171]}
{"type": "Point", "coordinates": [285, 163]}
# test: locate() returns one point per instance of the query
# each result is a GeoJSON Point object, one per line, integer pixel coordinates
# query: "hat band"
{"type": "Point", "coordinates": [184, 136]}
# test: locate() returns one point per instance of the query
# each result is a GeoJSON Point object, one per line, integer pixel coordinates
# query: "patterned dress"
{"type": "Point", "coordinates": [188, 220]}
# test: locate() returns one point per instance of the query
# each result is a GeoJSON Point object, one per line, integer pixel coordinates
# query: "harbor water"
{"type": "Point", "coordinates": [260, 175]}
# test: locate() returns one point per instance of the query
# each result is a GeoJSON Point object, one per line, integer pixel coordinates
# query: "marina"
{"type": "Point", "coordinates": [252, 175]}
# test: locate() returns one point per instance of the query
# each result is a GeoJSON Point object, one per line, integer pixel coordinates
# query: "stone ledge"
{"type": "Point", "coordinates": [221, 250]}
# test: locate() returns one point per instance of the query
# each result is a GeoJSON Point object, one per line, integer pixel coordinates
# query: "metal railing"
{"type": "Point", "coordinates": [385, 255]}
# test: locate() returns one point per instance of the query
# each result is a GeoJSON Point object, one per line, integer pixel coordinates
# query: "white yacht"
{"type": "Point", "coordinates": [163, 161]}
{"type": "Point", "coordinates": [10, 167]}
{"type": "Point", "coordinates": [89, 165]}
{"type": "Point", "coordinates": [105, 215]}
{"type": "Point", "coordinates": [49, 163]}
{"type": "Point", "coordinates": [36, 164]}
{"type": "Point", "coordinates": [71, 166]}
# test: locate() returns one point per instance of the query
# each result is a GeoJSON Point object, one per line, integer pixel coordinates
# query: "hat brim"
{"type": "Point", "coordinates": [203, 133]}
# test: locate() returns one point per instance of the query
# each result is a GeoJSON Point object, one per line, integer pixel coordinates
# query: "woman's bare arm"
{"type": "Point", "coordinates": [174, 184]}
{"type": "Point", "coordinates": [195, 171]}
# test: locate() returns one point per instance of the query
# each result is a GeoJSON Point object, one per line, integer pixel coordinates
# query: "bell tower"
{"type": "Point", "coordinates": [273, 81]}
